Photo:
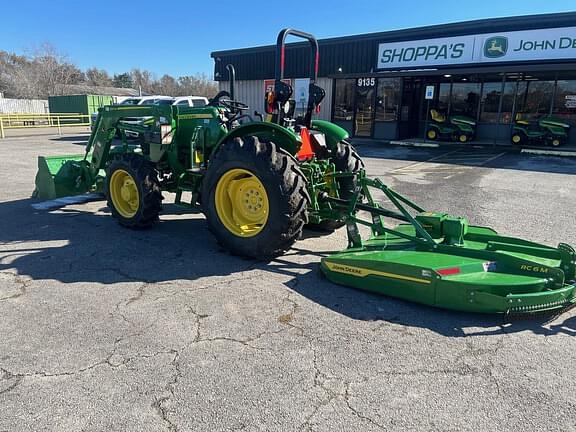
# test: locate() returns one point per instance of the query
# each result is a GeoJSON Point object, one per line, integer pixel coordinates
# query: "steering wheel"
{"type": "Point", "coordinates": [233, 105]}
{"type": "Point", "coordinates": [216, 99]}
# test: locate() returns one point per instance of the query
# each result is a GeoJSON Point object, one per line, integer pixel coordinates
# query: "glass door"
{"type": "Point", "coordinates": [364, 111]}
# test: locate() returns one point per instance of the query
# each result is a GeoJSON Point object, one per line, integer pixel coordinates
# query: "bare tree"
{"type": "Point", "coordinates": [38, 75]}
{"type": "Point", "coordinates": [98, 77]}
{"type": "Point", "coordinates": [46, 72]}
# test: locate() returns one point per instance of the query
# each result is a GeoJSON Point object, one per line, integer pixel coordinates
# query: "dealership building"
{"type": "Point", "coordinates": [384, 85]}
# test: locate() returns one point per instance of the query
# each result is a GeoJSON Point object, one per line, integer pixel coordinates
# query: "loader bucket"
{"type": "Point", "coordinates": [60, 176]}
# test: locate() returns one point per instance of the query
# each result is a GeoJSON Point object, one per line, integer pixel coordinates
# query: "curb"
{"type": "Point", "coordinates": [509, 148]}
{"type": "Point", "coordinates": [549, 152]}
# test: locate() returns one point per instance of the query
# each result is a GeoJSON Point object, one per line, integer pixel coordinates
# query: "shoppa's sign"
{"type": "Point", "coordinates": [544, 44]}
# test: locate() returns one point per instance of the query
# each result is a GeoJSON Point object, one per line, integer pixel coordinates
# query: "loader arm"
{"type": "Point", "coordinates": [60, 176]}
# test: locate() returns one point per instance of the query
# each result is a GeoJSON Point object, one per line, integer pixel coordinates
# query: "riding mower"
{"type": "Point", "coordinates": [455, 128]}
{"type": "Point", "coordinates": [545, 131]}
{"type": "Point", "coordinates": [259, 183]}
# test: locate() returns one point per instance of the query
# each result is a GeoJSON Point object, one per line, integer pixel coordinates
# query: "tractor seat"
{"type": "Point", "coordinates": [437, 117]}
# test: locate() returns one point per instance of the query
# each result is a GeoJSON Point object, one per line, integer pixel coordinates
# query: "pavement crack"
{"type": "Point", "coordinates": [318, 382]}
{"type": "Point", "coordinates": [358, 413]}
{"type": "Point", "coordinates": [139, 294]}
{"type": "Point", "coordinates": [199, 318]}
{"type": "Point", "coordinates": [158, 403]}
{"type": "Point", "coordinates": [22, 284]}
{"type": "Point", "coordinates": [288, 318]}
{"type": "Point", "coordinates": [7, 376]}
{"type": "Point", "coordinates": [246, 343]}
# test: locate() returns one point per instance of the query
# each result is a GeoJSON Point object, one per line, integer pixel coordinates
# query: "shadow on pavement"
{"type": "Point", "coordinates": [75, 246]}
{"type": "Point", "coordinates": [74, 139]}
{"type": "Point", "coordinates": [473, 157]}
{"type": "Point", "coordinates": [365, 306]}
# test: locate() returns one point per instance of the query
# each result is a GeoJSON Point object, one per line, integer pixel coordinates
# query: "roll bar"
{"type": "Point", "coordinates": [280, 52]}
{"type": "Point", "coordinates": [232, 78]}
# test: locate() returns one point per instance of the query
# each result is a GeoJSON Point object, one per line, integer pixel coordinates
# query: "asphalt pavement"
{"type": "Point", "coordinates": [107, 329]}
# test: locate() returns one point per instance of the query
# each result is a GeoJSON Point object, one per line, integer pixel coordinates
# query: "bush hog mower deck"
{"type": "Point", "coordinates": [259, 183]}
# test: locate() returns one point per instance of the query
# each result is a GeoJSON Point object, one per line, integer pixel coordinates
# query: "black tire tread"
{"type": "Point", "coordinates": [146, 178]}
{"type": "Point", "coordinates": [275, 163]}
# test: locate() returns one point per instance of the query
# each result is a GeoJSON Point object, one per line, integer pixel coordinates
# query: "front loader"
{"type": "Point", "coordinates": [259, 183]}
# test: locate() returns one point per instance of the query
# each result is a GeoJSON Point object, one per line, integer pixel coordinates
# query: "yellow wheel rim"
{"type": "Point", "coordinates": [463, 138]}
{"type": "Point", "coordinates": [516, 139]}
{"type": "Point", "coordinates": [124, 193]}
{"type": "Point", "coordinates": [556, 143]}
{"type": "Point", "coordinates": [242, 202]}
{"type": "Point", "coordinates": [431, 134]}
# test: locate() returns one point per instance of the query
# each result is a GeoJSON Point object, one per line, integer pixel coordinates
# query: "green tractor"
{"type": "Point", "coordinates": [259, 183]}
{"type": "Point", "coordinates": [455, 128]}
{"type": "Point", "coordinates": [545, 131]}
{"type": "Point", "coordinates": [255, 181]}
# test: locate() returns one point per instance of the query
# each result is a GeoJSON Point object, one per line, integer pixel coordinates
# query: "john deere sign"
{"type": "Point", "coordinates": [495, 47]}
{"type": "Point", "coordinates": [545, 44]}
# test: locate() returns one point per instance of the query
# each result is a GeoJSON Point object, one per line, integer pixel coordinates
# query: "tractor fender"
{"type": "Point", "coordinates": [281, 136]}
{"type": "Point", "coordinates": [332, 132]}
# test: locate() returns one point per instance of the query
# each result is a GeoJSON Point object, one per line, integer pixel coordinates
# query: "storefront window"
{"type": "Point", "coordinates": [444, 98]}
{"type": "Point", "coordinates": [344, 99]}
{"type": "Point", "coordinates": [508, 102]}
{"type": "Point", "coordinates": [533, 99]}
{"type": "Point", "coordinates": [387, 99]}
{"type": "Point", "coordinates": [565, 101]}
{"type": "Point", "coordinates": [490, 102]}
{"type": "Point", "coordinates": [465, 98]}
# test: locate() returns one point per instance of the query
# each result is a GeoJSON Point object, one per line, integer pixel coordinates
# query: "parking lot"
{"type": "Point", "coordinates": [103, 328]}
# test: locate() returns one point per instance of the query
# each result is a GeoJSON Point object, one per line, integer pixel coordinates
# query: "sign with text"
{"type": "Point", "coordinates": [430, 92]}
{"type": "Point", "coordinates": [544, 44]}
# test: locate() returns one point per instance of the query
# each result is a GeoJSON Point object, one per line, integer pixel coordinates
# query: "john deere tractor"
{"type": "Point", "coordinates": [259, 183]}
{"type": "Point", "coordinates": [255, 181]}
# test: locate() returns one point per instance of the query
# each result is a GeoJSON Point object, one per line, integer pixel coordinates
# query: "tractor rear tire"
{"type": "Point", "coordinates": [346, 159]}
{"type": "Point", "coordinates": [133, 191]}
{"type": "Point", "coordinates": [242, 173]}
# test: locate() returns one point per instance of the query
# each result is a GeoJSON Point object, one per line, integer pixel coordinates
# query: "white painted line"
{"type": "Point", "coordinates": [493, 158]}
{"type": "Point", "coordinates": [410, 167]}
{"type": "Point", "coordinates": [415, 144]}
{"type": "Point", "coordinates": [549, 152]}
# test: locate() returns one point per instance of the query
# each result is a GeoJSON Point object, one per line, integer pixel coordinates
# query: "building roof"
{"type": "Point", "coordinates": [357, 53]}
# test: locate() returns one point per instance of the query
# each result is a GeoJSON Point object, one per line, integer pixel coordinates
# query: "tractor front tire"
{"type": "Point", "coordinates": [345, 159]}
{"type": "Point", "coordinates": [133, 191]}
{"type": "Point", "coordinates": [254, 197]}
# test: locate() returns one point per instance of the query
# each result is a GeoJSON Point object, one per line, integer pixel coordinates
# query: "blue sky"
{"type": "Point", "coordinates": [176, 37]}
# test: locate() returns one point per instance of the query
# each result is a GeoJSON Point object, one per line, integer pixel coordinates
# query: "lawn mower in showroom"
{"type": "Point", "coordinates": [544, 131]}
{"type": "Point", "coordinates": [259, 183]}
{"type": "Point", "coordinates": [454, 128]}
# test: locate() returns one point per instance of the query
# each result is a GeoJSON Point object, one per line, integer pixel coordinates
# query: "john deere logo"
{"type": "Point", "coordinates": [495, 47]}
